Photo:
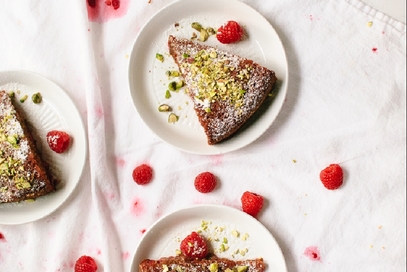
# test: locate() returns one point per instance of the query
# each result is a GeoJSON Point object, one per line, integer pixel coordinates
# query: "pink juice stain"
{"type": "Point", "coordinates": [101, 11]}
{"type": "Point", "coordinates": [137, 207]}
{"type": "Point", "coordinates": [312, 253]}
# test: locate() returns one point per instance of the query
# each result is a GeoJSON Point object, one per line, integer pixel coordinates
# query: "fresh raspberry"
{"type": "Point", "coordinates": [251, 203]}
{"type": "Point", "coordinates": [205, 182]}
{"type": "Point", "coordinates": [86, 264]}
{"type": "Point", "coordinates": [142, 174]}
{"type": "Point", "coordinates": [194, 246]}
{"type": "Point", "coordinates": [332, 177]}
{"type": "Point", "coordinates": [58, 140]}
{"type": "Point", "coordinates": [230, 32]}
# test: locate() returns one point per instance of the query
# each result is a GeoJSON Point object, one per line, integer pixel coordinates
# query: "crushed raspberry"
{"type": "Point", "coordinates": [85, 264]}
{"type": "Point", "coordinates": [1, 236]}
{"type": "Point", "coordinates": [332, 176]}
{"type": "Point", "coordinates": [252, 203]}
{"type": "Point", "coordinates": [194, 246]}
{"type": "Point", "coordinates": [230, 32]}
{"type": "Point", "coordinates": [58, 141]}
{"type": "Point", "coordinates": [205, 182]}
{"type": "Point", "coordinates": [142, 174]}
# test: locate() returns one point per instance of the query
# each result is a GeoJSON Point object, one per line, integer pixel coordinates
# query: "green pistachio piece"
{"type": "Point", "coordinates": [203, 35]}
{"type": "Point", "coordinates": [213, 267]}
{"type": "Point", "coordinates": [12, 140]}
{"type": "Point", "coordinates": [164, 108]}
{"type": "Point", "coordinates": [197, 26]}
{"type": "Point", "coordinates": [159, 57]}
{"type": "Point", "coordinates": [172, 118]}
{"type": "Point", "coordinates": [36, 98]}
{"type": "Point", "coordinates": [167, 94]}
{"type": "Point", "coordinates": [242, 268]}
{"type": "Point", "coordinates": [172, 86]}
{"type": "Point", "coordinates": [24, 98]}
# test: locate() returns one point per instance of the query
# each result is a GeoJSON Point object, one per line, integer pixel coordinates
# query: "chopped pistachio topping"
{"type": "Point", "coordinates": [203, 35]}
{"type": "Point", "coordinates": [24, 98]}
{"type": "Point", "coordinates": [242, 268]}
{"type": "Point", "coordinates": [36, 98]}
{"type": "Point", "coordinates": [167, 94]}
{"type": "Point", "coordinates": [197, 26]}
{"type": "Point", "coordinates": [159, 56]}
{"type": "Point", "coordinates": [173, 73]}
{"type": "Point", "coordinates": [172, 118]}
{"type": "Point", "coordinates": [214, 80]}
{"type": "Point", "coordinates": [164, 108]}
{"type": "Point", "coordinates": [235, 233]}
{"type": "Point", "coordinates": [213, 267]}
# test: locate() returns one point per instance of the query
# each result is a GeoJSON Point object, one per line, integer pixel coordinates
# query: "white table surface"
{"type": "Point", "coordinates": [393, 8]}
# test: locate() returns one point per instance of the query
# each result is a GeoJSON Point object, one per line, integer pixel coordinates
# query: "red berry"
{"type": "Point", "coordinates": [142, 174]}
{"type": "Point", "coordinates": [230, 32]}
{"type": "Point", "coordinates": [194, 246]}
{"type": "Point", "coordinates": [85, 264]}
{"type": "Point", "coordinates": [58, 140]}
{"type": "Point", "coordinates": [332, 177]}
{"type": "Point", "coordinates": [251, 203]}
{"type": "Point", "coordinates": [205, 182]}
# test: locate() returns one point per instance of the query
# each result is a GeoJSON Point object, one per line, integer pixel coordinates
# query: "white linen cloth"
{"type": "Point", "coordinates": [346, 104]}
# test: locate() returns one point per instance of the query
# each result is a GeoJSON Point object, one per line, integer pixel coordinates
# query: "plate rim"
{"type": "Point", "coordinates": [224, 147]}
{"type": "Point", "coordinates": [21, 73]}
{"type": "Point", "coordinates": [223, 208]}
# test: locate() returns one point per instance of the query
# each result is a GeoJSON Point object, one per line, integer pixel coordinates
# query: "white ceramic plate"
{"type": "Point", "coordinates": [147, 80]}
{"type": "Point", "coordinates": [164, 237]}
{"type": "Point", "coordinates": [56, 111]}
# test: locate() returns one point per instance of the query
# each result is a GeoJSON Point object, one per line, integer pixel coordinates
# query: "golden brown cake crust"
{"type": "Point", "coordinates": [226, 89]}
{"type": "Point", "coordinates": [181, 263]}
{"type": "Point", "coordinates": [23, 174]}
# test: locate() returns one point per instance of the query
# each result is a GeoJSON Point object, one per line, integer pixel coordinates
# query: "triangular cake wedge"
{"type": "Point", "coordinates": [226, 89]}
{"type": "Point", "coordinates": [23, 174]}
{"type": "Point", "coordinates": [181, 263]}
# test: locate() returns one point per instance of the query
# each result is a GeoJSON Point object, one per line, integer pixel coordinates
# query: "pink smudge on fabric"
{"type": "Point", "coordinates": [99, 112]}
{"type": "Point", "coordinates": [110, 196]}
{"type": "Point", "coordinates": [312, 253]}
{"type": "Point", "coordinates": [120, 162]}
{"type": "Point", "coordinates": [137, 207]}
{"type": "Point", "coordinates": [101, 11]}
{"type": "Point", "coordinates": [217, 159]}
{"type": "Point", "coordinates": [125, 255]}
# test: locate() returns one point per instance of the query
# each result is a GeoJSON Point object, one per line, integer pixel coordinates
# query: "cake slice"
{"type": "Point", "coordinates": [212, 264]}
{"type": "Point", "coordinates": [23, 174]}
{"type": "Point", "coordinates": [226, 89]}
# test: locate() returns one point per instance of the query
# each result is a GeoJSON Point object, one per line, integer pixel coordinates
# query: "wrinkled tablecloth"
{"type": "Point", "coordinates": [345, 104]}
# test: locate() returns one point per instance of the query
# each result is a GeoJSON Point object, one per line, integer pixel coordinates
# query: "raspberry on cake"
{"type": "Point", "coordinates": [23, 174]}
{"type": "Point", "coordinates": [226, 89]}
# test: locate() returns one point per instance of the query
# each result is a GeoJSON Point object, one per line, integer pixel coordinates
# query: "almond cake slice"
{"type": "Point", "coordinates": [23, 174]}
{"type": "Point", "coordinates": [211, 264]}
{"type": "Point", "coordinates": [226, 89]}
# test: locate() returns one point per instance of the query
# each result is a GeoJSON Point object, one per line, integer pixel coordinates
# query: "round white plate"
{"type": "Point", "coordinates": [164, 237]}
{"type": "Point", "coordinates": [148, 83]}
{"type": "Point", "coordinates": [56, 111]}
